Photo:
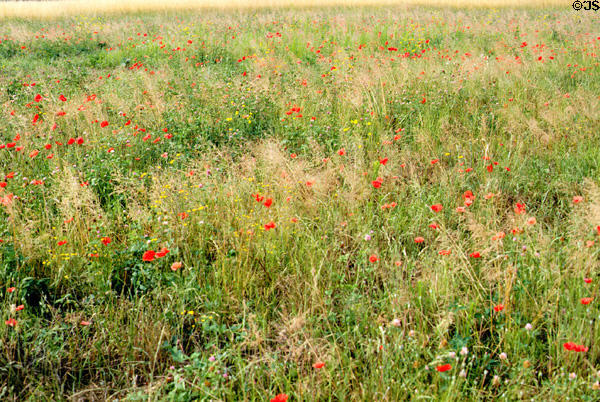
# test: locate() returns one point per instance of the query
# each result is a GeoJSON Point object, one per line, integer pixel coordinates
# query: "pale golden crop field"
{"type": "Point", "coordinates": [47, 9]}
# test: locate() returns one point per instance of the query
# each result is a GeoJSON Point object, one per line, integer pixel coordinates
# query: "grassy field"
{"type": "Point", "coordinates": [367, 203]}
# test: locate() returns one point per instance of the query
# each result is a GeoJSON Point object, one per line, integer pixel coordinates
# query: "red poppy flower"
{"type": "Point", "coordinates": [587, 280]}
{"type": "Point", "coordinates": [419, 239]}
{"type": "Point", "coordinates": [499, 308]}
{"type": "Point", "coordinates": [11, 322]}
{"type": "Point", "coordinates": [149, 256]}
{"type": "Point", "coordinates": [573, 347]}
{"type": "Point", "coordinates": [436, 207]}
{"type": "Point", "coordinates": [373, 258]}
{"type": "Point", "coordinates": [519, 208]}
{"type": "Point", "coordinates": [104, 124]}
{"type": "Point", "coordinates": [162, 252]}
{"type": "Point", "coordinates": [38, 98]}
{"type": "Point", "coordinates": [586, 300]}
{"type": "Point", "coordinates": [62, 98]}
{"type": "Point", "coordinates": [318, 365]}
{"type": "Point", "coordinates": [268, 202]}
{"type": "Point", "coordinates": [444, 367]}
{"type": "Point", "coordinates": [383, 161]}
{"type": "Point", "coordinates": [280, 398]}
{"type": "Point", "coordinates": [342, 152]}
{"type": "Point", "coordinates": [270, 225]}
{"type": "Point", "coordinates": [62, 242]}
{"type": "Point", "coordinates": [106, 241]}
{"type": "Point", "coordinates": [376, 183]}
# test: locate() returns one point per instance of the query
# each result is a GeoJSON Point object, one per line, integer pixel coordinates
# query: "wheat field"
{"type": "Point", "coordinates": [49, 9]}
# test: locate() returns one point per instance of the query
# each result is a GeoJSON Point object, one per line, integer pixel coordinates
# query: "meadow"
{"type": "Point", "coordinates": [374, 202]}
